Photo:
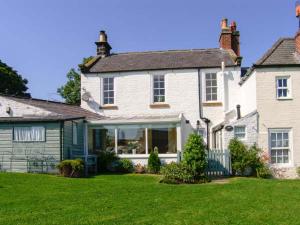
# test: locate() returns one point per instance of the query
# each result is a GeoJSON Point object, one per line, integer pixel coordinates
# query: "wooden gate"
{"type": "Point", "coordinates": [219, 163]}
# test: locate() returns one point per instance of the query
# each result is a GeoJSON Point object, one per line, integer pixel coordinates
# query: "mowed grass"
{"type": "Point", "coordinates": [141, 199]}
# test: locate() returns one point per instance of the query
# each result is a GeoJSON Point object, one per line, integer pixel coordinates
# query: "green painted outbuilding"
{"type": "Point", "coordinates": [35, 135]}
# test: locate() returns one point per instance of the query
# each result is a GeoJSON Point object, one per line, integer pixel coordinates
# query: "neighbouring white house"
{"type": "Point", "coordinates": [157, 98]}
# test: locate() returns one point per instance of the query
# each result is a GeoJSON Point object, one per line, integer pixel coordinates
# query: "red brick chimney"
{"type": "Point", "coordinates": [230, 37]}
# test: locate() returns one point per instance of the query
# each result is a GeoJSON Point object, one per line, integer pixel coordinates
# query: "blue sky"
{"type": "Point", "coordinates": [42, 40]}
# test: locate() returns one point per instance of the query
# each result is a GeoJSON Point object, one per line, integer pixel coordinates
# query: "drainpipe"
{"type": "Point", "coordinates": [204, 119]}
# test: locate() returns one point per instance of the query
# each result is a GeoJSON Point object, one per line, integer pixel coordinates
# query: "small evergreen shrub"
{"type": "Point", "coordinates": [71, 168]}
{"type": "Point", "coordinates": [154, 163]}
{"type": "Point", "coordinates": [177, 173]}
{"type": "Point", "coordinates": [124, 166]}
{"type": "Point", "coordinates": [106, 160]}
{"type": "Point", "coordinates": [194, 155]}
{"type": "Point", "coordinates": [239, 156]}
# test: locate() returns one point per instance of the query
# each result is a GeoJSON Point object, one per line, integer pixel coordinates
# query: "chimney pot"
{"type": "Point", "coordinates": [224, 24]}
{"type": "Point", "coordinates": [102, 36]}
{"type": "Point", "coordinates": [233, 26]}
{"type": "Point", "coordinates": [103, 47]}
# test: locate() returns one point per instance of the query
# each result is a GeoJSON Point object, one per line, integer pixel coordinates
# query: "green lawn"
{"type": "Point", "coordinates": [141, 199]}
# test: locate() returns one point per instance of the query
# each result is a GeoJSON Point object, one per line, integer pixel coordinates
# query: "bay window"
{"type": "Point", "coordinates": [133, 139]}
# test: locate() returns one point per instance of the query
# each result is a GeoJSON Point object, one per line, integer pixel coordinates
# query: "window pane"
{"type": "Point", "coordinates": [159, 88]}
{"type": "Point", "coordinates": [279, 83]}
{"type": "Point", "coordinates": [131, 141]}
{"type": "Point", "coordinates": [75, 133]}
{"type": "Point", "coordinates": [211, 87]}
{"type": "Point", "coordinates": [165, 139]}
{"type": "Point", "coordinates": [29, 134]}
{"type": "Point", "coordinates": [284, 82]}
{"type": "Point", "coordinates": [284, 92]}
{"type": "Point", "coordinates": [101, 140]}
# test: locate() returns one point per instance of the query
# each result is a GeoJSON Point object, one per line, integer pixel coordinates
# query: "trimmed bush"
{"type": "Point", "coordinates": [194, 154]}
{"type": "Point", "coordinates": [106, 160]}
{"type": "Point", "coordinates": [298, 171]}
{"type": "Point", "coordinates": [177, 173]}
{"type": "Point", "coordinates": [124, 166]}
{"type": "Point", "coordinates": [154, 163]}
{"type": "Point", "coordinates": [71, 168]}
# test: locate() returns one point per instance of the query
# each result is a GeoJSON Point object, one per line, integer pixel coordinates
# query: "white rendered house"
{"type": "Point", "coordinates": [156, 99]}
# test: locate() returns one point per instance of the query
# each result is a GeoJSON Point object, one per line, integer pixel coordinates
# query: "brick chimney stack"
{"type": "Point", "coordinates": [230, 37]}
{"type": "Point", "coordinates": [103, 47]}
{"type": "Point", "coordinates": [297, 36]}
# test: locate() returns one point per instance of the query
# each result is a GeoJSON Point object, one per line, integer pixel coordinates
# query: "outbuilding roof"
{"type": "Point", "coordinates": [159, 60]}
{"type": "Point", "coordinates": [61, 111]}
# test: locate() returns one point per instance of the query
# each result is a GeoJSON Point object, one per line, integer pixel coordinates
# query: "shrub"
{"type": "Point", "coordinates": [244, 158]}
{"type": "Point", "coordinates": [139, 168]}
{"type": "Point", "coordinates": [124, 166]}
{"type": "Point", "coordinates": [71, 168]}
{"type": "Point", "coordinates": [238, 153]}
{"type": "Point", "coordinates": [194, 154]}
{"type": "Point", "coordinates": [263, 171]}
{"type": "Point", "coordinates": [106, 159]}
{"type": "Point", "coordinates": [176, 173]}
{"type": "Point", "coordinates": [154, 163]}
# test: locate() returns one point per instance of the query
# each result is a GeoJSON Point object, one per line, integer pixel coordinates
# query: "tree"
{"type": "Point", "coordinates": [71, 90]}
{"type": "Point", "coordinates": [12, 83]}
{"type": "Point", "coordinates": [194, 154]}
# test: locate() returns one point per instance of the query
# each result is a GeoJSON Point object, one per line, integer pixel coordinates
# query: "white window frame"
{"type": "Point", "coordinates": [205, 87]}
{"type": "Point", "coordinates": [74, 133]}
{"type": "Point", "coordinates": [236, 133]}
{"type": "Point", "coordinates": [289, 148]}
{"type": "Point", "coordinates": [288, 87]}
{"type": "Point", "coordinates": [153, 88]}
{"type": "Point", "coordinates": [30, 127]}
{"type": "Point", "coordinates": [103, 91]}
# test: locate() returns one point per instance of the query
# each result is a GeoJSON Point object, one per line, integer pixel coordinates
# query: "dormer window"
{"type": "Point", "coordinates": [159, 89]}
{"type": "Point", "coordinates": [283, 87]}
{"type": "Point", "coordinates": [108, 91]}
{"type": "Point", "coordinates": [211, 89]}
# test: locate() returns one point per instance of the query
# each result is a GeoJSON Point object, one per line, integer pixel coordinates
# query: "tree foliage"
{"type": "Point", "coordinates": [12, 83]}
{"type": "Point", "coordinates": [71, 90]}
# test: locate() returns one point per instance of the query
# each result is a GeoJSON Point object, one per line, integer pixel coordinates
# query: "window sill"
{"type": "Point", "coordinates": [212, 104]}
{"type": "Point", "coordinates": [282, 165]}
{"type": "Point", "coordinates": [284, 99]}
{"type": "Point", "coordinates": [145, 156]}
{"type": "Point", "coordinates": [109, 107]}
{"type": "Point", "coordinates": [159, 105]}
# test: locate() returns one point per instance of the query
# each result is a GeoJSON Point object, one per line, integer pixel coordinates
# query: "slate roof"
{"type": "Point", "coordinates": [61, 111]}
{"type": "Point", "coordinates": [281, 53]}
{"type": "Point", "coordinates": [158, 60]}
